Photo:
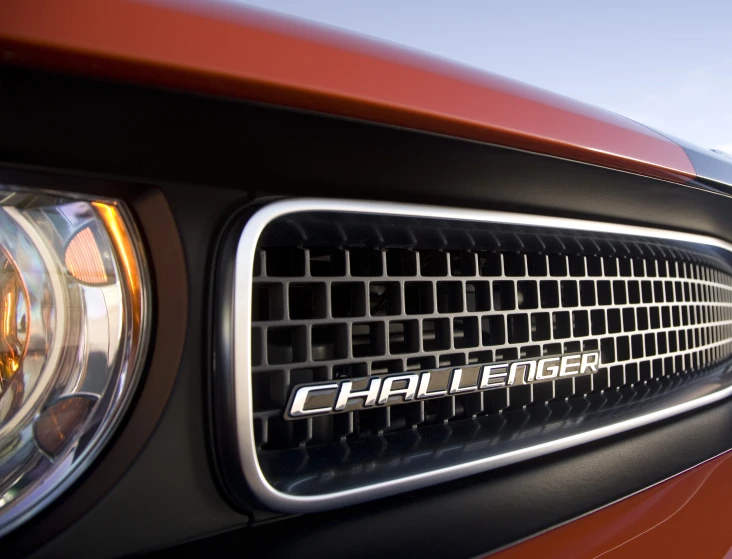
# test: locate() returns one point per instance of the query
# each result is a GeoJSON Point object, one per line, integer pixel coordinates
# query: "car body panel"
{"type": "Point", "coordinates": [225, 49]}
{"type": "Point", "coordinates": [681, 517]}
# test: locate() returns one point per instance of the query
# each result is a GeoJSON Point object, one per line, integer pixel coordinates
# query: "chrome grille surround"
{"type": "Point", "coordinates": [662, 319]}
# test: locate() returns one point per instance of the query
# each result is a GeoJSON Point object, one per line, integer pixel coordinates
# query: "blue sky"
{"type": "Point", "coordinates": [667, 63]}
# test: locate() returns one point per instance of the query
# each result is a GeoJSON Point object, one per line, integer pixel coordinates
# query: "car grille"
{"type": "Point", "coordinates": [339, 295]}
{"type": "Point", "coordinates": [330, 312]}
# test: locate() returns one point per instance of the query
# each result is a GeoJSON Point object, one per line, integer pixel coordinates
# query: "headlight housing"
{"type": "Point", "coordinates": [74, 315]}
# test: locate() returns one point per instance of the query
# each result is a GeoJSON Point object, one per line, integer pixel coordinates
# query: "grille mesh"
{"type": "Point", "coordinates": [327, 312]}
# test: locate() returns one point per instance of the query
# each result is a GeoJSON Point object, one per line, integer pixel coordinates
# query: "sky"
{"type": "Point", "coordinates": [667, 64]}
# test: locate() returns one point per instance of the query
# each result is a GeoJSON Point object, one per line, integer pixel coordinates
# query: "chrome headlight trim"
{"type": "Point", "coordinates": [128, 361]}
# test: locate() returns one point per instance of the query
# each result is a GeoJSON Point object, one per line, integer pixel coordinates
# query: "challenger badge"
{"type": "Point", "coordinates": [346, 395]}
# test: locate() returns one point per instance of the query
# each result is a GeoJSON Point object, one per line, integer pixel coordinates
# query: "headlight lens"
{"type": "Point", "coordinates": [73, 322]}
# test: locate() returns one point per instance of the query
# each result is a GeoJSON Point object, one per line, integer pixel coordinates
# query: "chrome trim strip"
{"type": "Point", "coordinates": [241, 341]}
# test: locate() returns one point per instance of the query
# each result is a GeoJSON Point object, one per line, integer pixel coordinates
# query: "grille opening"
{"type": "Point", "coordinates": [449, 297]}
{"type": "Point", "coordinates": [507, 354]}
{"type": "Point", "coordinates": [329, 342]}
{"type": "Point", "coordinates": [478, 296]}
{"type": "Point", "coordinates": [557, 265]}
{"type": "Point", "coordinates": [404, 336]}
{"type": "Point", "coordinates": [347, 300]}
{"type": "Point", "coordinates": [384, 299]}
{"type": "Point", "coordinates": [392, 366]}
{"type": "Point", "coordinates": [619, 293]}
{"type": "Point", "coordinates": [580, 324]}
{"type": "Point", "coordinates": [267, 302]}
{"type": "Point", "coordinates": [594, 266]}
{"type": "Point", "coordinates": [493, 330]}
{"type": "Point", "coordinates": [368, 339]}
{"type": "Point", "coordinates": [286, 345]}
{"type": "Point", "coordinates": [365, 262]}
{"type": "Point", "coordinates": [658, 292]}
{"type": "Point", "coordinates": [623, 348]}
{"type": "Point", "coordinates": [570, 297]}
{"type": "Point", "coordinates": [433, 263]}
{"type": "Point", "coordinates": [465, 332]}
{"type": "Point", "coordinates": [625, 267]}
{"type": "Point", "coordinates": [647, 291]}
{"type": "Point", "coordinates": [536, 265]}
{"type": "Point", "coordinates": [587, 293]}
{"type": "Point", "coordinates": [462, 263]}
{"type": "Point", "coordinates": [504, 295]}
{"type": "Point", "coordinates": [541, 326]}
{"type": "Point", "coordinates": [642, 319]}
{"type": "Point", "coordinates": [549, 294]}
{"type": "Point", "coordinates": [628, 320]}
{"type": "Point", "coordinates": [562, 327]}
{"type": "Point", "coordinates": [480, 357]}
{"type": "Point", "coordinates": [420, 363]}
{"type": "Point", "coordinates": [614, 324]}
{"type": "Point", "coordinates": [256, 347]}
{"type": "Point", "coordinates": [327, 261]}
{"type": "Point", "coordinates": [263, 386]}
{"type": "Point", "coordinates": [634, 296]}
{"type": "Point", "coordinates": [312, 374]}
{"type": "Point", "coordinates": [637, 346]}
{"type": "Point", "coordinates": [490, 264]}
{"type": "Point", "coordinates": [351, 370]}
{"type": "Point", "coordinates": [418, 298]}
{"type": "Point", "coordinates": [518, 328]}
{"type": "Point", "coordinates": [401, 262]}
{"type": "Point", "coordinates": [307, 300]}
{"type": "Point", "coordinates": [665, 317]}
{"type": "Point", "coordinates": [576, 265]}
{"type": "Point", "coordinates": [526, 295]}
{"type": "Point", "coordinates": [451, 360]}
{"type": "Point", "coordinates": [597, 322]}
{"type": "Point", "coordinates": [639, 267]}
{"type": "Point", "coordinates": [285, 262]}
{"type": "Point", "coordinates": [436, 334]}
{"type": "Point", "coordinates": [514, 265]}
{"type": "Point", "coordinates": [661, 343]}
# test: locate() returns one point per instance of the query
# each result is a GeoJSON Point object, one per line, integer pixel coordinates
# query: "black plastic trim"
{"type": "Point", "coordinates": [485, 512]}
{"type": "Point", "coordinates": [713, 169]}
{"type": "Point", "coordinates": [143, 134]}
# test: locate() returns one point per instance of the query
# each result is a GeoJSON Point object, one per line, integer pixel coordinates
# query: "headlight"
{"type": "Point", "coordinates": [73, 321]}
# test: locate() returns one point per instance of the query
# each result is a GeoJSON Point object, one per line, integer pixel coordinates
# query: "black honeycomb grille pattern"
{"type": "Point", "coordinates": [321, 313]}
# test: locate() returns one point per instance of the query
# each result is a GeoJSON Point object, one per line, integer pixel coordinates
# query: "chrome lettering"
{"type": "Point", "coordinates": [408, 392]}
{"type": "Point", "coordinates": [493, 376]}
{"type": "Point", "coordinates": [297, 409]}
{"type": "Point", "coordinates": [369, 395]}
{"type": "Point", "coordinates": [525, 370]}
{"type": "Point", "coordinates": [544, 365]}
{"type": "Point", "coordinates": [400, 388]}
{"type": "Point", "coordinates": [455, 387]}
{"type": "Point", "coordinates": [567, 369]}
{"type": "Point", "coordinates": [424, 383]}
{"type": "Point", "coordinates": [590, 362]}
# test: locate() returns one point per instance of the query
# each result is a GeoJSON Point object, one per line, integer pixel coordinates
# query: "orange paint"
{"type": "Point", "coordinates": [686, 516]}
{"type": "Point", "coordinates": [236, 51]}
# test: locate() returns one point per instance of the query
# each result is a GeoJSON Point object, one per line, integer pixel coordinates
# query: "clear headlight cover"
{"type": "Point", "coordinates": [73, 322]}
